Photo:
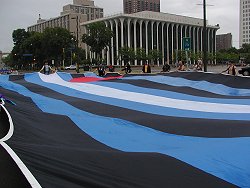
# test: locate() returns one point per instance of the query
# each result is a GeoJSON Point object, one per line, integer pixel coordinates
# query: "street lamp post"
{"type": "Point", "coordinates": [63, 57]}
{"type": "Point", "coordinates": [77, 42]}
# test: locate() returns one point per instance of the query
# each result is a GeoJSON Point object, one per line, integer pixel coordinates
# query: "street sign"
{"type": "Point", "coordinates": [27, 55]}
{"type": "Point", "coordinates": [186, 42]}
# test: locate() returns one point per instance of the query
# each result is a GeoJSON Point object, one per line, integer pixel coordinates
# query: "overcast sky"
{"type": "Point", "coordinates": [15, 14]}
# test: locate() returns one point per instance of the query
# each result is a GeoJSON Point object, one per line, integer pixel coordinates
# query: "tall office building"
{"type": "Point", "coordinates": [244, 22]}
{"type": "Point", "coordinates": [224, 41]}
{"type": "Point", "coordinates": [71, 17]}
{"type": "Point", "coordinates": [133, 6]}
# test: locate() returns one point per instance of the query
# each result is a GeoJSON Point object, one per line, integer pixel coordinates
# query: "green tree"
{"type": "Point", "coordinates": [154, 55]}
{"type": "Point", "coordinates": [33, 45]}
{"type": "Point", "coordinates": [210, 57]}
{"type": "Point", "coordinates": [223, 56]}
{"type": "Point", "coordinates": [98, 37]}
{"type": "Point", "coordinates": [179, 55]}
{"type": "Point", "coordinates": [233, 50]}
{"type": "Point", "coordinates": [19, 35]}
{"type": "Point", "coordinates": [245, 48]}
{"type": "Point", "coordinates": [82, 55]}
{"type": "Point", "coordinates": [8, 60]}
{"type": "Point", "coordinates": [54, 40]}
{"type": "Point", "coordinates": [127, 54]}
{"type": "Point", "coordinates": [141, 54]}
{"type": "Point", "coordinates": [43, 46]}
{"type": "Point", "coordinates": [244, 52]}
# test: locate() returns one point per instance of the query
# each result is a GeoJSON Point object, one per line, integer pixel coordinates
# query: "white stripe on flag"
{"type": "Point", "coordinates": [147, 98]}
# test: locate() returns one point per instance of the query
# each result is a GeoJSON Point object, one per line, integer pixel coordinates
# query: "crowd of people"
{"type": "Point", "coordinates": [146, 68]}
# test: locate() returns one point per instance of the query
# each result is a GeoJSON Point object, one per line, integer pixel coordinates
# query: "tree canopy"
{"type": "Point", "coordinates": [154, 55]}
{"type": "Point", "coordinates": [98, 37]}
{"type": "Point", "coordinates": [34, 48]}
{"type": "Point", "coordinates": [127, 54]}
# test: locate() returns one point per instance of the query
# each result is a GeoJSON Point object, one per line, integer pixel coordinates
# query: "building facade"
{"type": "Point", "coordinates": [71, 17]}
{"type": "Point", "coordinates": [151, 30]}
{"type": "Point", "coordinates": [133, 6]}
{"type": "Point", "coordinates": [224, 41]}
{"type": "Point", "coordinates": [244, 22]}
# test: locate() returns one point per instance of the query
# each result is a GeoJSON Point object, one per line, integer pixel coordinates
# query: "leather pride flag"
{"type": "Point", "coordinates": [150, 131]}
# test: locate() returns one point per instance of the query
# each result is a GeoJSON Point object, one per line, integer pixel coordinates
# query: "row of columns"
{"type": "Point", "coordinates": [126, 32]}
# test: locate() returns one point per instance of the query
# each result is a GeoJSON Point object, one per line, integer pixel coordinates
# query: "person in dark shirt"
{"type": "Point", "coordinates": [127, 68]}
{"type": "Point", "coordinates": [101, 70]}
{"type": "Point", "coordinates": [46, 68]}
{"type": "Point", "coordinates": [166, 68]}
{"type": "Point", "coordinates": [111, 68]}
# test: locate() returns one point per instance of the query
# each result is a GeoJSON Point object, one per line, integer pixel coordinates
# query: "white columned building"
{"type": "Point", "coordinates": [162, 41]}
{"type": "Point", "coordinates": [112, 44]}
{"type": "Point", "coordinates": [141, 37]}
{"type": "Point", "coordinates": [181, 37]}
{"type": "Point", "coordinates": [153, 30]}
{"type": "Point", "coordinates": [152, 34]}
{"type": "Point", "coordinates": [146, 33]}
{"type": "Point", "coordinates": [177, 36]}
{"type": "Point", "coordinates": [167, 42]}
{"type": "Point", "coordinates": [172, 43]}
{"type": "Point", "coordinates": [122, 35]}
{"type": "Point", "coordinates": [117, 39]}
{"type": "Point", "coordinates": [157, 38]}
{"type": "Point", "coordinates": [135, 37]}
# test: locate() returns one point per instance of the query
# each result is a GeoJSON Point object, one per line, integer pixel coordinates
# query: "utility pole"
{"type": "Point", "coordinates": [77, 42]}
{"type": "Point", "coordinates": [205, 42]}
{"type": "Point", "coordinates": [204, 36]}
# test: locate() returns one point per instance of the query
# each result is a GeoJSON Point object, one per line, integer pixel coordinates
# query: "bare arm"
{"type": "Point", "coordinates": [41, 69]}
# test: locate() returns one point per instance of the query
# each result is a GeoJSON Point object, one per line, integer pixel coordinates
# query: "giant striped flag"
{"type": "Point", "coordinates": [137, 131]}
